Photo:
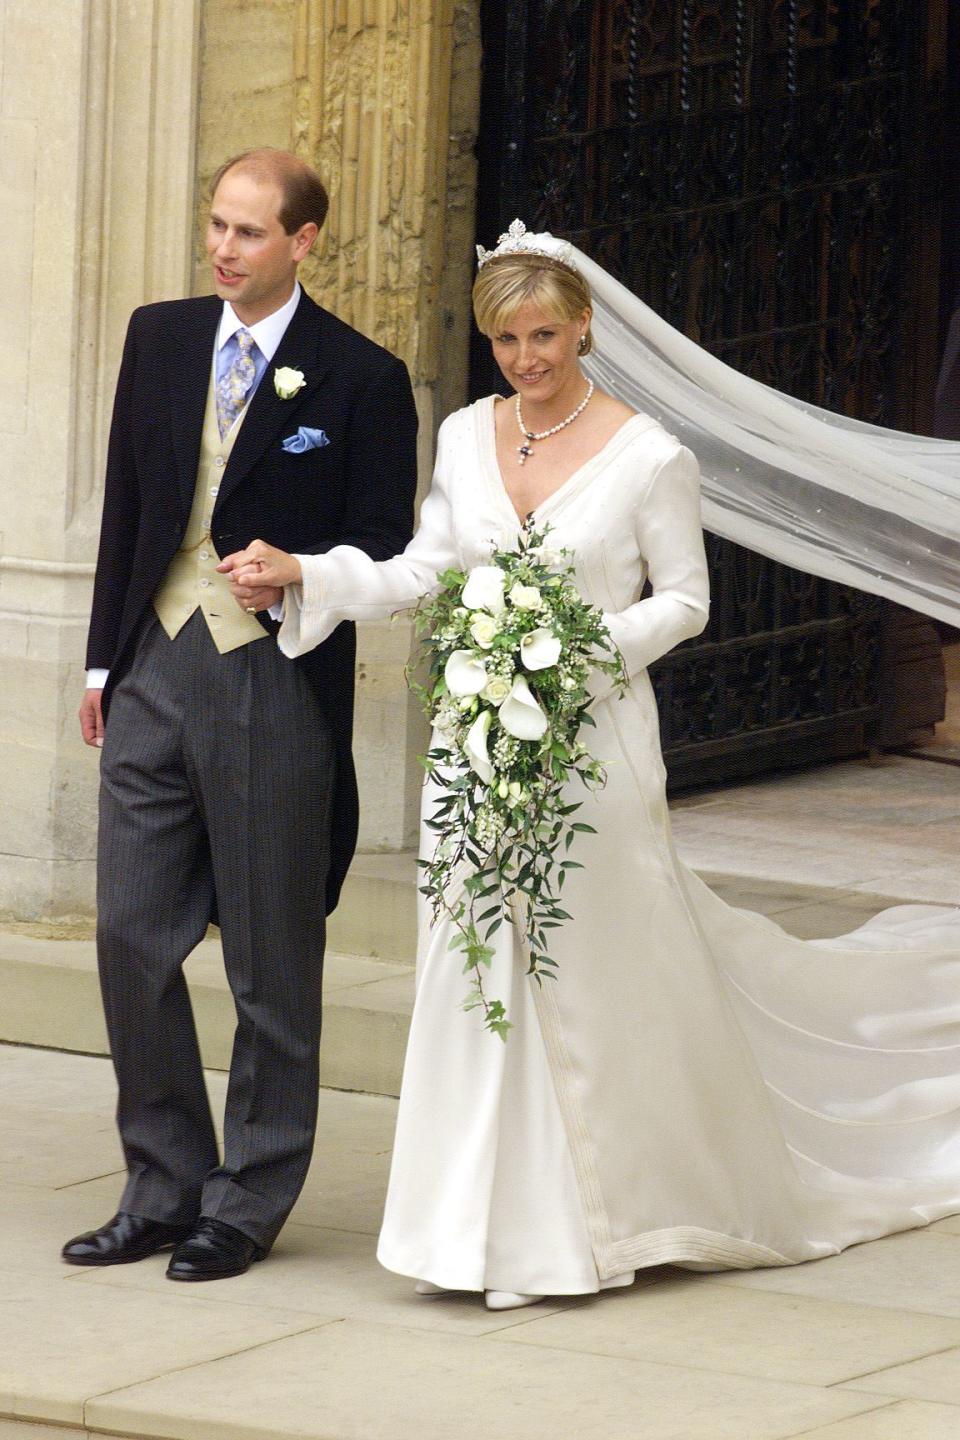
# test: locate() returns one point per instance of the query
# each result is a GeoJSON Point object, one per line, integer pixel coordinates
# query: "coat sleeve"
{"type": "Point", "coordinates": [348, 584]}
{"type": "Point", "coordinates": [381, 443]}
{"type": "Point", "coordinates": [121, 519]}
{"type": "Point", "coordinates": [670, 538]}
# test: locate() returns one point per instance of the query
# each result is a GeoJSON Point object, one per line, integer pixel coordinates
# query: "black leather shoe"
{"type": "Point", "coordinates": [214, 1251]}
{"type": "Point", "coordinates": [122, 1240]}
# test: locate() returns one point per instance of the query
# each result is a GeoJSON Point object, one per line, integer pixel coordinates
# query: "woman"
{"type": "Point", "coordinates": [697, 1087]}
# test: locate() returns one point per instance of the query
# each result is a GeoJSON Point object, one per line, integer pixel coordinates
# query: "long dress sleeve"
{"type": "Point", "coordinates": [670, 539]}
{"type": "Point", "coordinates": [346, 584]}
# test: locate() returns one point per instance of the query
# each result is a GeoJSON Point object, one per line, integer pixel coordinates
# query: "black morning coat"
{"type": "Point", "coordinates": [358, 490]}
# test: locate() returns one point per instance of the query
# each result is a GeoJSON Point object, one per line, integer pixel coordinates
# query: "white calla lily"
{"type": "Point", "coordinates": [540, 649]}
{"type": "Point", "coordinates": [464, 675]}
{"type": "Point", "coordinates": [520, 715]}
{"type": "Point", "coordinates": [475, 746]}
{"type": "Point", "coordinates": [484, 589]}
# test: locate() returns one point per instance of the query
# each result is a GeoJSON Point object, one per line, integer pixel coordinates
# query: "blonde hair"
{"type": "Point", "coordinates": [508, 281]}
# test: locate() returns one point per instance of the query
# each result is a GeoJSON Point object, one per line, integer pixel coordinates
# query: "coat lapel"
{"type": "Point", "coordinates": [189, 380]}
{"type": "Point", "coordinates": [302, 349]}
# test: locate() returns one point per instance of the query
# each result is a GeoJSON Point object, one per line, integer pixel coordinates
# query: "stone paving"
{"type": "Point", "coordinates": [319, 1343]}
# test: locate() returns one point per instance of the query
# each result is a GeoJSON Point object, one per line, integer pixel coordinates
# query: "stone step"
{"type": "Point", "coordinates": [51, 999]}
{"type": "Point", "coordinates": [51, 996]}
{"type": "Point", "coordinates": [29, 1430]}
{"type": "Point", "coordinates": [377, 914]}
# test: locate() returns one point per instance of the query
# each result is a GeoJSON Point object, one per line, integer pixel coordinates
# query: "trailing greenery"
{"type": "Point", "coordinates": [513, 651]}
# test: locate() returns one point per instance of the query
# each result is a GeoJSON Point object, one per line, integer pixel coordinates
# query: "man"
{"type": "Point", "coordinates": [227, 784]}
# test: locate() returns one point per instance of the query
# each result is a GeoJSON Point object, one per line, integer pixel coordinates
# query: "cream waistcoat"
{"type": "Point", "coordinates": [193, 579]}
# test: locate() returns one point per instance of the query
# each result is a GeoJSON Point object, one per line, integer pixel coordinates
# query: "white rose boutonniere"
{"type": "Point", "coordinates": [287, 381]}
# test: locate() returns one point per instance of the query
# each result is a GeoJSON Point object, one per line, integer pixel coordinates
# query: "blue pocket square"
{"type": "Point", "coordinates": [306, 439]}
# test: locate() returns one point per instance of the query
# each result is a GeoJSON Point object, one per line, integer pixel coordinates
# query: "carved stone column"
{"type": "Point", "coordinates": [97, 122]}
{"type": "Point", "coordinates": [386, 108]}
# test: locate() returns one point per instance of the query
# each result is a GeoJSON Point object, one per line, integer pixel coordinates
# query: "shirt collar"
{"type": "Point", "coordinates": [267, 332]}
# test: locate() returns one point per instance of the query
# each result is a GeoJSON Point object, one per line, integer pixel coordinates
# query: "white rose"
{"type": "Point", "coordinates": [287, 381]}
{"type": "Point", "coordinates": [475, 746]}
{"type": "Point", "coordinates": [526, 597]}
{"type": "Point", "coordinates": [484, 589]}
{"type": "Point", "coordinates": [484, 629]}
{"type": "Point", "coordinates": [464, 675]}
{"type": "Point", "coordinates": [545, 555]}
{"type": "Point", "coordinates": [446, 721]}
{"type": "Point", "coordinates": [540, 649]}
{"type": "Point", "coordinates": [496, 690]}
{"type": "Point", "coordinates": [520, 715]}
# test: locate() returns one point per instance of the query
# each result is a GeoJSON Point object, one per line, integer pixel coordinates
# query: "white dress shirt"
{"type": "Point", "coordinates": [267, 334]}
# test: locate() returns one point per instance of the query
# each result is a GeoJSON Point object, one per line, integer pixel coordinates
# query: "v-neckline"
{"type": "Point", "coordinates": [488, 427]}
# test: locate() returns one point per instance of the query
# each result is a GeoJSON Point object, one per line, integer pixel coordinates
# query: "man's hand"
{"type": "Point", "coordinates": [262, 599]}
{"type": "Point", "coordinates": [259, 573]}
{"type": "Point", "coordinates": [91, 717]}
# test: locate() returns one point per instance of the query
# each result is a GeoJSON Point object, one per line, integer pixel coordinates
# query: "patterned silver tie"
{"type": "Point", "coordinates": [234, 385]}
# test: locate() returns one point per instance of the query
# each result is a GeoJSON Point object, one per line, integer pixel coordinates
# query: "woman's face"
{"type": "Point", "coordinates": [538, 353]}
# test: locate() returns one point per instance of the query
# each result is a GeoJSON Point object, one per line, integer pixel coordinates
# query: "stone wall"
{"type": "Point", "coordinates": [113, 116]}
{"type": "Point", "coordinates": [96, 179]}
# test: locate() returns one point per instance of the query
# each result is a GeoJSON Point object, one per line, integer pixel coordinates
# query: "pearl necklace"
{"type": "Point", "coordinates": [526, 448]}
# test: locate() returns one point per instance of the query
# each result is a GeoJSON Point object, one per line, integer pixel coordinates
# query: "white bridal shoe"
{"type": "Point", "coordinates": [617, 1281]}
{"type": "Point", "coordinates": [495, 1299]}
{"type": "Point", "coordinates": [508, 1299]}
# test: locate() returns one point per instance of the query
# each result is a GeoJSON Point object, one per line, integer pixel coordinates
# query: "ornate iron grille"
{"type": "Point", "coordinates": [760, 171]}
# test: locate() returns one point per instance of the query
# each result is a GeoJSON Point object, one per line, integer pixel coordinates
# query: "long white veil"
{"type": "Point", "coordinates": [874, 508]}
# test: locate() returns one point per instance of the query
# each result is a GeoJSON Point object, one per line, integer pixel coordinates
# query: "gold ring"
{"type": "Point", "coordinates": [251, 609]}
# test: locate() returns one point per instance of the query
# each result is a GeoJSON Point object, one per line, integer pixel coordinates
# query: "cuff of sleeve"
{"type": "Point", "coordinates": [311, 594]}
{"type": "Point", "coordinates": [276, 611]}
{"type": "Point", "coordinates": [97, 679]}
{"type": "Point", "coordinates": [288, 636]}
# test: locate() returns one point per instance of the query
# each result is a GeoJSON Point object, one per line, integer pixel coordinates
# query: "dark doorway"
{"type": "Point", "coordinates": [765, 174]}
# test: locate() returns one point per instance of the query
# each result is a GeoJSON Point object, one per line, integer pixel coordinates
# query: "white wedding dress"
{"type": "Point", "coordinates": [696, 1087]}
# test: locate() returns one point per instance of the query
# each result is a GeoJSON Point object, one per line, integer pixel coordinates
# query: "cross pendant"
{"type": "Point", "coordinates": [523, 451]}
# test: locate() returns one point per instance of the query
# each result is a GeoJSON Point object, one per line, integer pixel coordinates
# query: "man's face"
{"type": "Point", "coordinates": [254, 259]}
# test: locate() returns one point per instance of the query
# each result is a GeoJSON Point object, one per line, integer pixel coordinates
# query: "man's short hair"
{"type": "Point", "coordinates": [304, 196]}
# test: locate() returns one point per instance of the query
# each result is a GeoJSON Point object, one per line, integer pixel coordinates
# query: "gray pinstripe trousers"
{"type": "Point", "coordinates": [216, 781]}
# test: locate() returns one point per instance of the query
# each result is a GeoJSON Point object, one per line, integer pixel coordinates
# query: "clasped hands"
{"type": "Point", "coordinates": [259, 573]}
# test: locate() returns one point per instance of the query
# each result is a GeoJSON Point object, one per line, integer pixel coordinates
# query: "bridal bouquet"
{"type": "Point", "coordinates": [511, 646]}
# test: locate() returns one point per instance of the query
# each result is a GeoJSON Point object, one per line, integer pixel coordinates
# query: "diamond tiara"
{"type": "Point", "coordinates": [518, 240]}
